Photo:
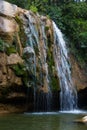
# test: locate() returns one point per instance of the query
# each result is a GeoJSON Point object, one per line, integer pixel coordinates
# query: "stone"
{"type": "Point", "coordinates": [82, 120]}
{"type": "Point", "coordinates": [7, 25]}
{"type": "Point", "coordinates": [7, 76]}
{"type": "Point", "coordinates": [78, 74]}
{"type": "Point", "coordinates": [14, 59]}
{"type": "Point", "coordinates": [28, 50]}
{"type": "Point", "coordinates": [8, 9]}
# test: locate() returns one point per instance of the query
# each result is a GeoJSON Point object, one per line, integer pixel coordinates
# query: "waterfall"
{"type": "Point", "coordinates": [37, 49]}
{"type": "Point", "coordinates": [68, 95]}
{"type": "Point", "coordinates": [37, 56]}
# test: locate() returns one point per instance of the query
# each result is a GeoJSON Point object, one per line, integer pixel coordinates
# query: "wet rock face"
{"type": "Point", "coordinates": [78, 74]}
{"type": "Point", "coordinates": [80, 82]}
{"type": "Point", "coordinates": [9, 42]}
{"type": "Point", "coordinates": [10, 54]}
{"type": "Point", "coordinates": [27, 60]}
{"type": "Point", "coordinates": [7, 76]}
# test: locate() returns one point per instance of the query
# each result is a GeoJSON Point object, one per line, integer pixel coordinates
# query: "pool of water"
{"type": "Point", "coordinates": [42, 121]}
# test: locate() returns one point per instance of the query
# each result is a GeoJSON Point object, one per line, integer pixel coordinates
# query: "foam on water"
{"type": "Point", "coordinates": [74, 112]}
{"type": "Point", "coordinates": [42, 113]}
{"type": "Point", "coordinates": [58, 112]}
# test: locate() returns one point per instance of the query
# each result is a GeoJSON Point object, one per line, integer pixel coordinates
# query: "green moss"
{"type": "Point", "coordinates": [10, 50]}
{"type": "Point", "coordinates": [55, 83]}
{"type": "Point", "coordinates": [21, 33]}
{"type": "Point", "coordinates": [46, 28]}
{"type": "Point", "coordinates": [5, 47]}
{"type": "Point", "coordinates": [18, 20]}
{"type": "Point", "coordinates": [50, 58]}
{"type": "Point", "coordinates": [19, 69]}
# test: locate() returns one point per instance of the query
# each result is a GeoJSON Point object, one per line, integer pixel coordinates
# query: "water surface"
{"type": "Point", "coordinates": [42, 121]}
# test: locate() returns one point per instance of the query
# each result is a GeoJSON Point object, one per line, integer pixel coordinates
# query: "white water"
{"type": "Point", "coordinates": [58, 112]}
{"type": "Point", "coordinates": [36, 40]}
{"type": "Point", "coordinates": [68, 95]}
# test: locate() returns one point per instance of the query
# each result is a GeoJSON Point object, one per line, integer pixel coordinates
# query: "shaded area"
{"type": "Point", "coordinates": [82, 99]}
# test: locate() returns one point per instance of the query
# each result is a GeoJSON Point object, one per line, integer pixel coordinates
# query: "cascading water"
{"type": "Point", "coordinates": [36, 41]}
{"type": "Point", "coordinates": [43, 64]}
{"type": "Point", "coordinates": [68, 95]}
{"type": "Point", "coordinates": [30, 63]}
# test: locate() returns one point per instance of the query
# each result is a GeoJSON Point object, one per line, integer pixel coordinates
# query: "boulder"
{"type": "Point", "coordinates": [14, 59]}
{"type": "Point", "coordinates": [82, 120]}
{"type": "Point", "coordinates": [8, 9]}
{"type": "Point", "coordinates": [7, 25]}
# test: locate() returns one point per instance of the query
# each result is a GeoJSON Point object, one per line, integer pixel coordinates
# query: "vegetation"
{"type": "Point", "coordinates": [75, 28]}
{"type": "Point", "coordinates": [5, 47]}
{"type": "Point", "coordinates": [10, 50]}
{"type": "Point", "coordinates": [19, 69]}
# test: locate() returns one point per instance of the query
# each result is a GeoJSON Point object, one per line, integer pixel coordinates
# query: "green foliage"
{"type": "Point", "coordinates": [20, 3]}
{"type": "Point", "coordinates": [83, 41]}
{"type": "Point", "coordinates": [75, 10]}
{"type": "Point", "coordinates": [36, 5]}
{"type": "Point", "coordinates": [33, 9]}
{"type": "Point", "coordinates": [75, 28]}
{"type": "Point", "coordinates": [54, 12]}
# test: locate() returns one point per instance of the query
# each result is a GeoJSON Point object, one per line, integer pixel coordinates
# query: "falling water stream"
{"type": "Point", "coordinates": [37, 42]}
{"type": "Point", "coordinates": [68, 95]}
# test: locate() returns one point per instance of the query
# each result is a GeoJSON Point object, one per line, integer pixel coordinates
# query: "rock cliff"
{"type": "Point", "coordinates": [26, 44]}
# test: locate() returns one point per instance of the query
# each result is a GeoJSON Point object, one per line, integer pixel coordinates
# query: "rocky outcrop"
{"type": "Point", "coordinates": [10, 56]}
{"type": "Point", "coordinates": [7, 76]}
{"type": "Point", "coordinates": [25, 56]}
{"type": "Point", "coordinates": [79, 75]}
{"type": "Point", "coordinates": [8, 33]}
